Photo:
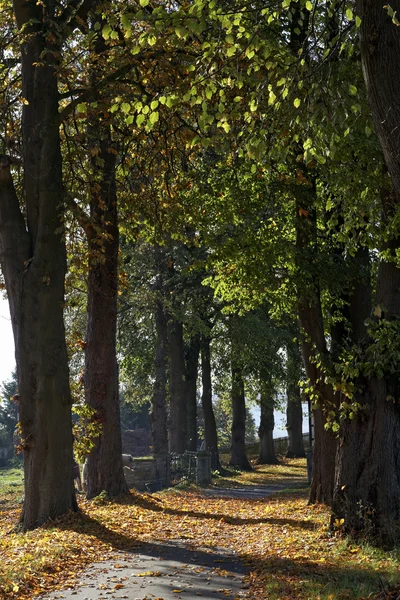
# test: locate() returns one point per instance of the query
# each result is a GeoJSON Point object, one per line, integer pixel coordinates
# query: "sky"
{"type": "Point", "coordinates": [7, 357]}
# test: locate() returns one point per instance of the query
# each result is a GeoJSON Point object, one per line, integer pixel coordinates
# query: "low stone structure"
{"type": "Point", "coordinates": [154, 474]}
{"type": "Point", "coordinates": [136, 442]}
{"type": "Point", "coordinates": [149, 474]}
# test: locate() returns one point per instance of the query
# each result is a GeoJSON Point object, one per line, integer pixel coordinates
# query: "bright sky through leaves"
{"type": "Point", "coordinates": [7, 358]}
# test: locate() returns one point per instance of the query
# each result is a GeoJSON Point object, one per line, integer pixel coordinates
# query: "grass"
{"type": "Point", "coordinates": [287, 472]}
{"type": "Point", "coordinates": [285, 542]}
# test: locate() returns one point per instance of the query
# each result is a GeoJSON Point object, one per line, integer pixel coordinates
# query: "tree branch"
{"type": "Point", "coordinates": [88, 94]}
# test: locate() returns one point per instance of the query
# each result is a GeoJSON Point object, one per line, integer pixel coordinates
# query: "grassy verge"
{"type": "Point", "coordinates": [284, 541]}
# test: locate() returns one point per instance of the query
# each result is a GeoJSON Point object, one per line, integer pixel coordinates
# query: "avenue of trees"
{"type": "Point", "coordinates": [204, 190]}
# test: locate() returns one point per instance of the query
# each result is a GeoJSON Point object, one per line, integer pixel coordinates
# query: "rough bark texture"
{"type": "Point", "coordinates": [267, 454]}
{"type": "Point", "coordinates": [238, 456]}
{"type": "Point", "coordinates": [178, 407]}
{"type": "Point", "coordinates": [210, 427]}
{"type": "Point", "coordinates": [312, 343]}
{"type": "Point", "coordinates": [33, 262]}
{"type": "Point", "coordinates": [294, 423]}
{"type": "Point", "coordinates": [104, 463]}
{"type": "Point", "coordinates": [159, 415]}
{"type": "Point", "coordinates": [294, 411]}
{"type": "Point", "coordinates": [192, 364]}
{"type": "Point", "coordinates": [367, 486]}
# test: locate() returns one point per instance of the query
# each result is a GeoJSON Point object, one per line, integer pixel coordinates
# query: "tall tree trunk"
{"type": "Point", "coordinates": [238, 456]}
{"type": "Point", "coordinates": [178, 407]}
{"type": "Point", "coordinates": [312, 343]}
{"type": "Point", "coordinates": [159, 415]}
{"type": "Point", "coordinates": [192, 366]}
{"type": "Point", "coordinates": [210, 427]}
{"type": "Point", "coordinates": [294, 411]}
{"type": "Point", "coordinates": [33, 261]}
{"type": "Point", "coordinates": [367, 486]}
{"type": "Point", "coordinates": [104, 463]}
{"type": "Point", "coordinates": [267, 454]}
{"type": "Point", "coordinates": [294, 423]}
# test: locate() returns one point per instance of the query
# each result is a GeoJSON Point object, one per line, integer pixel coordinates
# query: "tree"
{"type": "Point", "coordinates": [238, 457]}
{"type": "Point", "coordinates": [267, 421]}
{"type": "Point", "coordinates": [294, 411]}
{"type": "Point", "coordinates": [33, 261]}
{"type": "Point", "coordinates": [104, 462]}
{"type": "Point", "coordinates": [367, 485]}
{"type": "Point", "coordinates": [210, 426]}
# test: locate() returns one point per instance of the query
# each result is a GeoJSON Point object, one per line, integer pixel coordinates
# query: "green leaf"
{"type": "Point", "coordinates": [353, 90]}
{"type": "Point", "coordinates": [297, 102]}
{"type": "Point", "coordinates": [125, 107]}
{"type": "Point", "coordinates": [106, 31]}
{"type": "Point", "coordinates": [140, 119]}
{"type": "Point", "coordinates": [309, 5]}
{"type": "Point", "coordinates": [154, 117]}
{"type": "Point", "coordinates": [126, 21]}
{"type": "Point", "coordinates": [144, 2]}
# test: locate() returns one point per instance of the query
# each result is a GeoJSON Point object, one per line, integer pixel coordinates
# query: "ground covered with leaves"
{"type": "Point", "coordinates": [285, 542]}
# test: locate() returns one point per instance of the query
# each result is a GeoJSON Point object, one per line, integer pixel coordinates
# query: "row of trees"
{"type": "Point", "coordinates": [233, 148]}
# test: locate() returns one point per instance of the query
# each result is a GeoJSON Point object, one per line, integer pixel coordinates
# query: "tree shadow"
{"type": "Point", "coordinates": [151, 503]}
{"type": "Point", "coordinates": [287, 575]}
{"type": "Point", "coordinates": [83, 523]}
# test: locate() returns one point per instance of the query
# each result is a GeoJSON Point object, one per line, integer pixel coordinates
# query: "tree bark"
{"type": "Point", "coordinates": [104, 463]}
{"type": "Point", "coordinates": [159, 415]}
{"type": "Point", "coordinates": [178, 406]}
{"type": "Point", "coordinates": [313, 343]}
{"type": "Point", "coordinates": [294, 423]}
{"type": "Point", "coordinates": [367, 485]}
{"type": "Point", "coordinates": [33, 261]}
{"type": "Point", "coordinates": [192, 365]}
{"type": "Point", "coordinates": [267, 454]}
{"type": "Point", "coordinates": [238, 456]}
{"type": "Point", "coordinates": [294, 411]}
{"type": "Point", "coordinates": [210, 427]}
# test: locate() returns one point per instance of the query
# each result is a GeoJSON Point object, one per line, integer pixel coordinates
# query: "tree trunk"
{"type": "Point", "coordinates": [267, 454]}
{"type": "Point", "coordinates": [294, 411]}
{"type": "Point", "coordinates": [312, 343]}
{"type": "Point", "coordinates": [210, 427]}
{"type": "Point", "coordinates": [294, 423]}
{"type": "Point", "coordinates": [159, 416]}
{"type": "Point", "coordinates": [104, 463]}
{"type": "Point", "coordinates": [33, 261]}
{"type": "Point", "coordinates": [367, 486]}
{"type": "Point", "coordinates": [238, 456]}
{"type": "Point", "coordinates": [178, 407]}
{"type": "Point", "coordinates": [192, 364]}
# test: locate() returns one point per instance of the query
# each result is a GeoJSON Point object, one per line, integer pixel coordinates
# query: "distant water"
{"type": "Point", "coordinates": [280, 420]}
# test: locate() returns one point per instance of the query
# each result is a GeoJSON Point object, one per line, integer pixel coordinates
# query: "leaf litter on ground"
{"type": "Point", "coordinates": [284, 541]}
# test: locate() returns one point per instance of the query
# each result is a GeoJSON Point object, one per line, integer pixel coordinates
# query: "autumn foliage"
{"type": "Point", "coordinates": [284, 542]}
